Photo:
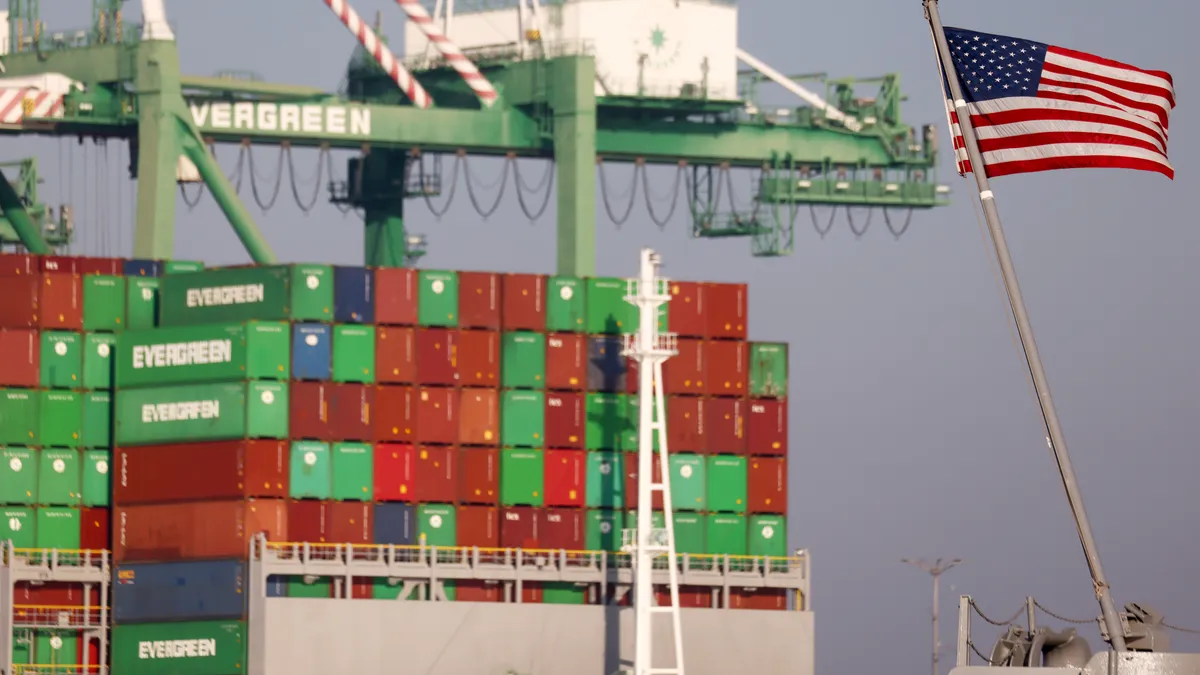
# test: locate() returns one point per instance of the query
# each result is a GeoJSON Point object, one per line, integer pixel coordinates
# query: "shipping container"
{"type": "Point", "coordinates": [153, 474]}
{"type": "Point", "coordinates": [18, 476]}
{"type": "Point", "coordinates": [111, 267]}
{"type": "Point", "coordinates": [55, 593]}
{"type": "Point", "coordinates": [522, 418]}
{"type": "Point", "coordinates": [95, 529]}
{"type": "Point", "coordinates": [522, 479]}
{"type": "Point", "coordinates": [395, 296]}
{"type": "Point", "coordinates": [479, 476]}
{"type": "Point", "coordinates": [477, 356]}
{"type": "Point", "coordinates": [141, 303]}
{"type": "Point", "coordinates": [20, 366]}
{"type": "Point", "coordinates": [767, 485]}
{"type": "Point", "coordinates": [308, 410]}
{"type": "Point", "coordinates": [768, 536]}
{"type": "Point", "coordinates": [631, 437]}
{"type": "Point", "coordinates": [311, 473]}
{"type": "Point", "coordinates": [436, 476]}
{"type": "Point", "coordinates": [520, 527]}
{"type": "Point", "coordinates": [179, 591]}
{"type": "Point", "coordinates": [603, 530]}
{"type": "Point", "coordinates": [761, 599]}
{"type": "Point", "coordinates": [312, 351]}
{"type": "Point", "coordinates": [353, 472]}
{"type": "Point", "coordinates": [201, 412]}
{"type": "Point", "coordinates": [725, 366]}
{"type": "Point", "coordinates": [354, 354]}
{"type": "Point", "coordinates": [20, 300]}
{"type": "Point", "coordinates": [478, 526]}
{"type": "Point", "coordinates": [204, 530]}
{"type": "Point", "coordinates": [686, 424]}
{"type": "Point", "coordinates": [60, 302]}
{"type": "Point", "coordinates": [607, 311]}
{"type": "Point", "coordinates": [479, 417]}
{"type": "Point", "coordinates": [565, 420]}
{"type": "Point", "coordinates": [477, 590]}
{"type": "Point", "coordinates": [691, 535]}
{"type": "Point", "coordinates": [524, 361]}
{"type": "Point", "coordinates": [566, 361]}
{"type": "Point", "coordinates": [684, 372]}
{"type": "Point", "coordinates": [767, 428]}
{"type": "Point", "coordinates": [142, 268]}
{"type": "Point", "coordinates": [350, 410]}
{"type": "Point", "coordinates": [219, 352]}
{"type": "Point", "coordinates": [606, 479]}
{"type": "Point", "coordinates": [607, 418]}
{"type": "Point", "coordinates": [437, 298]}
{"type": "Point", "coordinates": [437, 356]}
{"type": "Point", "coordinates": [394, 472]}
{"type": "Point", "coordinates": [57, 527]}
{"type": "Point", "coordinates": [688, 482]}
{"type": "Point", "coordinates": [181, 266]}
{"type": "Point", "coordinates": [97, 420]}
{"type": "Point", "coordinates": [437, 410]}
{"type": "Point", "coordinates": [191, 648]}
{"type": "Point", "coordinates": [62, 360]}
{"type": "Point", "coordinates": [437, 525]}
{"type": "Point", "coordinates": [19, 264]}
{"type": "Point", "coordinates": [768, 369]}
{"type": "Point", "coordinates": [395, 414]}
{"type": "Point", "coordinates": [103, 303]}
{"type": "Point", "coordinates": [18, 526]}
{"type": "Point", "coordinates": [353, 295]}
{"type": "Point", "coordinates": [61, 419]}
{"type": "Point", "coordinates": [98, 362]}
{"type": "Point", "coordinates": [350, 522]}
{"type": "Point", "coordinates": [395, 355]}
{"type": "Point", "coordinates": [565, 477]}
{"type": "Point", "coordinates": [523, 302]}
{"type": "Point", "coordinates": [308, 521]}
{"type": "Point", "coordinates": [479, 300]}
{"type": "Point", "coordinates": [266, 293]}
{"type": "Point", "coordinates": [56, 647]}
{"type": "Point", "coordinates": [395, 524]}
{"type": "Point", "coordinates": [563, 529]}
{"type": "Point", "coordinates": [607, 366]}
{"type": "Point", "coordinates": [690, 597]}
{"type": "Point", "coordinates": [96, 484]}
{"type": "Point", "coordinates": [726, 306]}
{"type": "Point", "coordinates": [726, 484]}
{"type": "Point", "coordinates": [19, 417]}
{"type": "Point", "coordinates": [566, 305]}
{"type": "Point", "coordinates": [658, 519]}
{"type": "Point", "coordinates": [725, 420]}
{"type": "Point", "coordinates": [689, 314]}
{"type": "Point", "coordinates": [59, 477]}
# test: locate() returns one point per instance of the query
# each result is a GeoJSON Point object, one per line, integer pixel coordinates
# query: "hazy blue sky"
{"type": "Point", "coordinates": [914, 430]}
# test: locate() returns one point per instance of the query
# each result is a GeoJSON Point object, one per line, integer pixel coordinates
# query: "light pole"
{"type": "Point", "coordinates": [934, 569]}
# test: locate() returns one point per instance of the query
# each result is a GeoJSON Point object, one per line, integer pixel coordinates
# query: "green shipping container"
{"type": "Point", "coordinates": [97, 479]}
{"type": "Point", "coordinates": [141, 303]}
{"type": "Point", "coordinates": [201, 412]}
{"type": "Point", "coordinates": [727, 480]}
{"type": "Point", "coordinates": [19, 414]}
{"type": "Point", "coordinates": [522, 418]}
{"type": "Point", "coordinates": [321, 587]}
{"type": "Point", "coordinates": [690, 533]}
{"type": "Point", "coordinates": [97, 420]}
{"type": "Point", "coordinates": [22, 647]}
{"type": "Point", "coordinates": [522, 474]}
{"type": "Point", "coordinates": [523, 361]}
{"type": "Point", "coordinates": [103, 303]}
{"type": "Point", "coordinates": [59, 478]}
{"type": "Point", "coordinates": [57, 648]}
{"type": "Point", "coordinates": [221, 352]}
{"type": "Point", "coordinates": [688, 482]}
{"type": "Point", "coordinates": [630, 438]}
{"type": "Point", "coordinates": [437, 525]}
{"type": "Point", "coordinates": [659, 519]}
{"type": "Point", "coordinates": [437, 298]}
{"type": "Point", "coordinates": [602, 531]}
{"type": "Point", "coordinates": [18, 526]}
{"type": "Point", "coordinates": [271, 293]}
{"type": "Point", "coordinates": [185, 648]}
{"type": "Point", "coordinates": [768, 369]}
{"type": "Point", "coordinates": [18, 476]}
{"type": "Point", "coordinates": [354, 354]}
{"type": "Point", "coordinates": [98, 349]}
{"type": "Point", "coordinates": [564, 593]}
{"type": "Point", "coordinates": [353, 472]}
{"type": "Point", "coordinates": [607, 420]}
{"type": "Point", "coordinates": [311, 471]}
{"type": "Point", "coordinates": [182, 266]}
{"type": "Point", "coordinates": [768, 536]}
{"type": "Point", "coordinates": [61, 423]}
{"type": "Point", "coordinates": [607, 311]}
{"type": "Point", "coordinates": [566, 305]}
{"type": "Point", "coordinates": [605, 480]}
{"type": "Point", "coordinates": [57, 527]}
{"type": "Point", "coordinates": [727, 534]}
{"type": "Point", "coordinates": [62, 360]}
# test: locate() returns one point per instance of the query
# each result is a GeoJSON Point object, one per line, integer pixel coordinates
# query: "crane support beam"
{"type": "Point", "coordinates": [16, 215]}
{"type": "Point", "coordinates": [804, 94]}
{"type": "Point", "coordinates": [573, 99]}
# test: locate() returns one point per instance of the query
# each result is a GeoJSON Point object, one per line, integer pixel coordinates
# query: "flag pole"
{"type": "Point", "coordinates": [1055, 439]}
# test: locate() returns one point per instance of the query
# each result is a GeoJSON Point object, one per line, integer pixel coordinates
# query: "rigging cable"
{"type": "Point", "coordinates": [897, 232]}
{"type": "Point", "coordinates": [502, 181]}
{"type": "Point", "coordinates": [822, 231]}
{"type": "Point", "coordinates": [547, 182]}
{"type": "Point", "coordinates": [1000, 624]}
{"type": "Point", "coordinates": [632, 191]}
{"type": "Point", "coordinates": [680, 170]}
{"type": "Point", "coordinates": [866, 226]}
{"type": "Point", "coordinates": [317, 180]}
{"type": "Point", "coordinates": [255, 177]}
{"type": "Point", "coordinates": [458, 160]}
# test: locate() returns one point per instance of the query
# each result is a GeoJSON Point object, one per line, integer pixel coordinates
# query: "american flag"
{"type": "Point", "coordinates": [1036, 107]}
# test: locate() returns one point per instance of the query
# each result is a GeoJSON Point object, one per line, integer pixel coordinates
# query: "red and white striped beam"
{"type": "Point", "coordinates": [383, 56]}
{"type": "Point", "coordinates": [453, 55]}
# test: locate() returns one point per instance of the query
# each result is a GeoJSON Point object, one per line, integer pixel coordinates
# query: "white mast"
{"type": "Point", "coordinates": [650, 349]}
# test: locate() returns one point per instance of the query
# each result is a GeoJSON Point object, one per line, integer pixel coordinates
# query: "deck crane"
{"type": "Point", "coordinates": [535, 89]}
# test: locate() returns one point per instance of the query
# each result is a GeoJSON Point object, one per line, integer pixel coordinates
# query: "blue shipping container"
{"type": "Point", "coordinates": [312, 352]}
{"type": "Point", "coordinates": [207, 590]}
{"type": "Point", "coordinates": [143, 268]}
{"type": "Point", "coordinates": [395, 524]}
{"type": "Point", "coordinates": [277, 586]}
{"type": "Point", "coordinates": [606, 366]}
{"type": "Point", "coordinates": [353, 295]}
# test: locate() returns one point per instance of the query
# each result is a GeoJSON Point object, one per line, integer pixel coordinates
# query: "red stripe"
{"type": "Point", "coordinates": [1055, 137]}
{"type": "Point", "coordinates": [1079, 98]}
{"type": "Point", "coordinates": [1092, 58]}
{"type": "Point", "coordinates": [12, 104]}
{"type": "Point", "coordinates": [1128, 85]}
{"type": "Point", "coordinates": [1077, 162]}
{"type": "Point", "coordinates": [1047, 114]}
{"type": "Point", "coordinates": [1096, 89]}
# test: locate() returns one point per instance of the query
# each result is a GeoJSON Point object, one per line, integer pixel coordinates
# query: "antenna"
{"type": "Point", "coordinates": [934, 569]}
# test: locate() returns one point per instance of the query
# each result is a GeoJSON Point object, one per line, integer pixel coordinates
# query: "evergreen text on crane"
{"type": "Point", "coordinates": [338, 120]}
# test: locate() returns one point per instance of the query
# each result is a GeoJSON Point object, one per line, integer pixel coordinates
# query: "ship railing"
{"type": "Point", "coordinates": [55, 669]}
{"type": "Point", "coordinates": [56, 558]}
{"type": "Point", "coordinates": [69, 617]}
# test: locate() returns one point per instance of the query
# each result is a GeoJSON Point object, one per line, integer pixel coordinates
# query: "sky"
{"type": "Point", "coordinates": [914, 429]}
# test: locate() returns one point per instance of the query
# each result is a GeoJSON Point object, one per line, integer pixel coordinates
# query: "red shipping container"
{"type": "Point", "coordinates": [478, 526]}
{"type": "Point", "coordinates": [20, 302]}
{"type": "Point", "coordinates": [350, 412]}
{"type": "Point", "coordinates": [185, 472]}
{"type": "Point", "coordinates": [60, 304]}
{"type": "Point", "coordinates": [60, 264]}
{"type": "Point", "coordinates": [19, 366]}
{"type": "Point", "coordinates": [19, 265]}
{"type": "Point", "coordinates": [395, 471]}
{"type": "Point", "coordinates": [566, 475]}
{"type": "Point", "coordinates": [687, 316]}
{"type": "Point", "coordinates": [395, 414]}
{"type": "Point", "coordinates": [758, 598]}
{"type": "Point", "coordinates": [395, 355]}
{"type": "Point", "coordinates": [767, 428]}
{"type": "Point", "coordinates": [308, 521]}
{"type": "Point", "coordinates": [523, 306]}
{"type": "Point", "coordinates": [95, 529]}
{"type": "Point", "coordinates": [480, 477]}
{"type": "Point", "coordinates": [767, 485]}
{"type": "Point", "coordinates": [531, 592]}
{"type": "Point", "coordinates": [351, 523]}
{"type": "Point", "coordinates": [725, 365]}
{"type": "Point", "coordinates": [195, 530]}
{"type": "Point", "coordinates": [437, 409]}
{"type": "Point", "coordinates": [566, 361]}
{"type": "Point", "coordinates": [92, 645]}
{"type": "Point", "coordinates": [111, 267]}
{"type": "Point", "coordinates": [362, 588]}
{"type": "Point", "coordinates": [726, 425]}
{"type": "Point", "coordinates": [633, 375]}
{"type": "Point", "coordinates": [54, 594]}
{"type": "Point", "coordinates": [478, 356]}
{"type": "Point", "coordinates": [565, 420]}
{"type": "Point", "coordinates": [519, 527]}
{"type": "Point", "coordinates": [727, 309]}
{"type": "Point", "coordinates": [479, 417]}
{"type": "Point", "coordinates": [478, 590]}
{"type": "Point", "coordinates": [308, 411]}
{"type": "Point", "coordinates": [437, 356]}
{"type": "Point", "coordinates": [563, 529]}
{"type": "Point", "coordinates": [684, 372]}
{"type": "Point", "coordinates": [630, 462]}
{"type": "Point", "coordinates": [690, 597]}
{"type": "Point", "coordinates": [685, 424]}
{"type": "Point", "coordinates": [479, 300]}
{"type": "Point", "coordinates": [396, 296]}
{"type": "Point", "coordinates": [436, 480]}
